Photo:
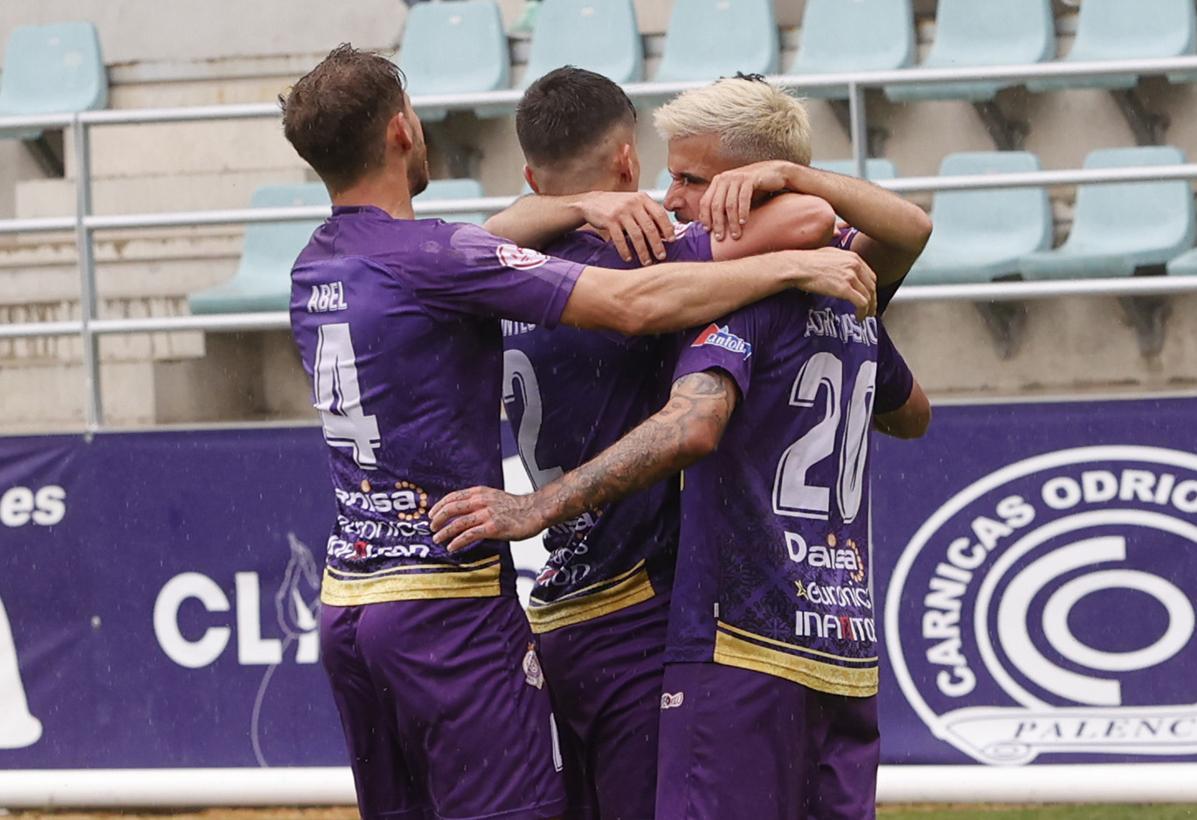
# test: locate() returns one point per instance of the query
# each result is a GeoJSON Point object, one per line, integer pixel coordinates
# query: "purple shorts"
{"type": "Point", "coordinates": [444, 709]}
{"type": "Point", "coordinates": [738, 743]}
{"type": "Point", "coordinates": [605, 679]}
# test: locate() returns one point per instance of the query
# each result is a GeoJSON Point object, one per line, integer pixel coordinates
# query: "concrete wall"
{"type": "Point", "coordinates": [153, 30]}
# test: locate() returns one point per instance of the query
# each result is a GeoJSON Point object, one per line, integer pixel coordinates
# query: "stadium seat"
{"type": "Point", "coordinates": [983, 33]}
{"type": "Point", "coordinates": [1121, 226]}
{"type": "Point", "coordinates": [454, 48]}
{"type": "Point", "coordinates": [708, 39]}
{"type": "Point", "coordinates": [263, 278]}
{"type": "Point", "coordinates": [1184, 265]}
{"type": "Point", "coordinates": [875, 169]}
{"type": "Point", "coordinates": [51, 69]}
{"type": "Point", "coordinates": [664, 179]}
{"type": "Point", "coordinates": [1118, 30]}
{"type": "Point", "coordinates": [455, 189]}
{"type": "Point", "coordinates": [598, 35]}
{"type": "Point", "coordinates": [862, 35]}
{"type": "Point", "coordinates": [982, 235]}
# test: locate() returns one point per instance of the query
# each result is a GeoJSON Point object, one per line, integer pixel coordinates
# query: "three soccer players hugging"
{"type": "Point", "coordinates": [700, 647]}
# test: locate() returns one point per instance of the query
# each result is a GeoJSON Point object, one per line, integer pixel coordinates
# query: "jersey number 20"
{"type": "Point", "coordinates": [823, 374]}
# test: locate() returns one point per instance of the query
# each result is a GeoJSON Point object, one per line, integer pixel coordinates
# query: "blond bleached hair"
{"type": "Point", "coordinates": [754, 120]}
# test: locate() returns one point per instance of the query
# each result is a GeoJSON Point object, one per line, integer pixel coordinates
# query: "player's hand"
{"type": "Point", "coordinates": [839, 274]}
{"type": "Point", "coordinates": [633, 222]}
{"type": "Point", "coordinates": [725, 206]}
{"type": "Point", "coordinates": [468, 516]}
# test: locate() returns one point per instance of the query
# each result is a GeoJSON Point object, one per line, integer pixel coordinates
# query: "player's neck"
{"type": "Point", "coordinates": [386, 190]}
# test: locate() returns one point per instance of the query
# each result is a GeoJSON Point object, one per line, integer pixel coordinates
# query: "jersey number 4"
{"type": "Point", "coordinates": [339, 397]}
{"type": "Point", "coordinates": [823, 376]}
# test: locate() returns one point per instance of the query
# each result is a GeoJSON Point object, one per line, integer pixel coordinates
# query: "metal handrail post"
{"type": "Point", "coordinates": [858, 127]}
{"type": "Point", "coordinates": [93, 402]}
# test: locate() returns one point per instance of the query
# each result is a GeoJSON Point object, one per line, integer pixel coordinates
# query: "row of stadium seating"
{"type": "Point", "coordinates": [461, 47]}
{"type": "Point", "coordinates": [980, 236]}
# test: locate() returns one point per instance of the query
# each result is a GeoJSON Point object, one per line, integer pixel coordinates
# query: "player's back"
{"type": "Point", "coordinates": [774, 543]}
{"type": "Point", "coordinates": [396, 324]}
{"type": "Point", "coordinates": [570, 394]}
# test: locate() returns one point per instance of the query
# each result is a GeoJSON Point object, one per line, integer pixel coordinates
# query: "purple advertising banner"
{"type": "Point", "coordinates": [1036, 562]}
{"type": "Point", "coordinates": [1038, 567]}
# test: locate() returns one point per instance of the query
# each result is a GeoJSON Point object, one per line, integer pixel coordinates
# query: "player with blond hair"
{"type": "Point", "coordinates": [757, 519]}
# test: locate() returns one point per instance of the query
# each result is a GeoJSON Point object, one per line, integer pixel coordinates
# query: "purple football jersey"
{"type": "Point", "coordinates": [569, 394]}
{"type": "Point", "coordinates": [772, 571]}
{"type": "Point", "coordinates": [397, 324]}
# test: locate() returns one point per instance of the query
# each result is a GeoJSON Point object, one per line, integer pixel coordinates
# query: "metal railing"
{"type": "Point", "coordinates": [84, 223]}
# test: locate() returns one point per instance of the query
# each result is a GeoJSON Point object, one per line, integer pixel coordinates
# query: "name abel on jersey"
{"type": "Point", "coordinates": [327, 298]}
{"type": "Point", "coordinates": [843, 326]}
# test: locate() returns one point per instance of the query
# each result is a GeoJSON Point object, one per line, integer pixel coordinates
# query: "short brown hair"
{"type": "Point", "coordinates": [336, 115]}
{"type": "Point", "coordinates": [566, 112]}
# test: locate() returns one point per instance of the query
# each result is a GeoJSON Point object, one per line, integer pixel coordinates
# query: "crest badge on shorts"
{"type": "Point", "coordinates": [533, 674]}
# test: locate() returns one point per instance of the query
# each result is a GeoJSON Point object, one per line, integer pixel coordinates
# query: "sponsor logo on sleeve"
{"type": "Point", "coordinates": [1047, 609]}
{"type": "Point", "coordinates": [513, 256]}
{"type": "Point", "coordinates": [672, 700]}
{"type": "Point", "coordinates": [716, 336]}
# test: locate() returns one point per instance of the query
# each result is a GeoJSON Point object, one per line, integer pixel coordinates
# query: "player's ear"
{"type": "Point", "coordinates": [400, 132]}
{"type": "Point", "coordinates": [530, 178]}
{"type": "Point", "coordinates": [627, 166]}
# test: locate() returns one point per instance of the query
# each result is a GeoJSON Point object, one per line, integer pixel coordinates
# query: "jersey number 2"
{"type": "Point", "coordinates": [339, 397]}
{"type": "Point", "coordinates": [519, 381]}
{"type": "Point", "coordinates": [823, 373]}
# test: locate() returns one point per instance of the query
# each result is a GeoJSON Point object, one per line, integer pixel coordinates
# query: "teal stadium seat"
{"type": "Point", "coordinates": [981, 236]}
{"type": "Point", "coordinates": [52, 69]}
{"type": "Point", "coordinates": [664, 180]}
{"type": "Point", "coordinates": [1184, 265]}
{"type": "Point", "coordinates": [263, 278]}
{"type": "Point", "coordinates": [708, 39]}
{"type": "Point", "coordinates": [454, 48]}
{"type": "Point", "coordinates": [841, 36]}
{"type": "Point", "coordinates": [875, 169]}
{"type": "Point", "coordinates": [971, 33]}
{"type": "Point", "coordinates": [455, 189]}
{"type": "Point", "coordinates": [1121, 30]}
{"type": "Point", "coordinates": [1121, 226]}
{"type": "Point", "coordinates": [598, 35]}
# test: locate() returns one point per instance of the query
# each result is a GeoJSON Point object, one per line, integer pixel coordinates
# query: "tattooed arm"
{"type": "Point", "coordinates": [686, 429]}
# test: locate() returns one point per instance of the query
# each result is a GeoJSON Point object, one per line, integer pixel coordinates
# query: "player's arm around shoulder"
{"type": "Point", "coordinates": [635, 223]}
{"type": "Point", "coordinates": [678, 295]}
{"type": "Point", "coordinates": [785, 222]}
{"type": "Point", "coordinates": [689, 427]}
{"type": "Point", "coordinates": [892, 231]}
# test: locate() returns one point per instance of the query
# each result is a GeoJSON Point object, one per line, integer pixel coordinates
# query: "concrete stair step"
{"type": "Point", "coordinates": [151, 193]}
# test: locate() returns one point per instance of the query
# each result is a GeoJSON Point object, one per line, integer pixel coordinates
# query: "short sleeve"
{"type": "Point", "coordinates": [461, 269]}
{"type": "Point", "coordinates": [886, 294]}
{"type": "Point", "coordinates": [726, 345]}
{"type": "Point", "coordinates": [894, 379]}
{"type": "Point", "coordinates": [845, 235]}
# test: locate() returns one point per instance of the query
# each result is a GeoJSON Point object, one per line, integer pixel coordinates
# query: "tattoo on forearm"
{"type": "Point", "coordinates": [699, 407]}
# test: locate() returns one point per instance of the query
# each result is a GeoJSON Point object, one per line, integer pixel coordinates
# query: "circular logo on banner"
{"type": "Point", "coordinates": [1048, 609]}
